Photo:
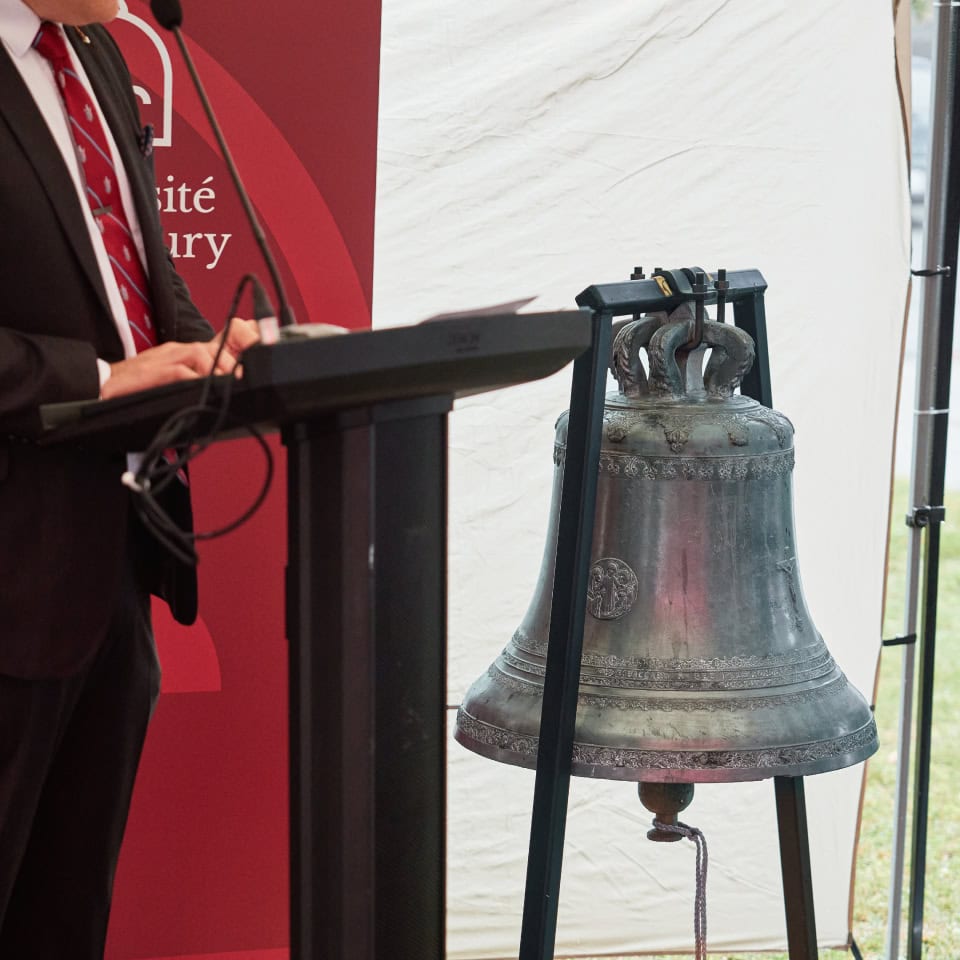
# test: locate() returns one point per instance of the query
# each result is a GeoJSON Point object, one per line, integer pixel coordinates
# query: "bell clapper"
{"type": "Point", "coordinates": [665, 801]}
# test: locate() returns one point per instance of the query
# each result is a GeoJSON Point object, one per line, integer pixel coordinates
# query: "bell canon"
{"type": "Point", "coordinates": [700, 659]}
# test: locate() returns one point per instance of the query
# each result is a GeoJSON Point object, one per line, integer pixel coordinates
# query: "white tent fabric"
{"type": "Point", "coordinates": [539, 147]}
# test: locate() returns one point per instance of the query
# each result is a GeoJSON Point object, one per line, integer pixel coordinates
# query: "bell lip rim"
{"type": "Point", "coordinates": [718, 774]}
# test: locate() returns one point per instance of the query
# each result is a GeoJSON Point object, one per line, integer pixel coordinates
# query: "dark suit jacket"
{"type": "Point", "coordinates": [64, 514]}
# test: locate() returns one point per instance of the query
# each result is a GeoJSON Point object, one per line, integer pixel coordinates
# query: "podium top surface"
{"type": "Point", "coordinates": [304, 379]}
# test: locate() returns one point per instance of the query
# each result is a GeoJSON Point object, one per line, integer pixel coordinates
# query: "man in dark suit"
{"type": "Point", "coordinates": [78, 670]}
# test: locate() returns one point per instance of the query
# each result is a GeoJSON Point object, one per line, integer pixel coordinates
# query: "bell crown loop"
{"type": "Point", "coordinates": [667, 343]}
{"type": "Point", "coordinates": [682, 408]}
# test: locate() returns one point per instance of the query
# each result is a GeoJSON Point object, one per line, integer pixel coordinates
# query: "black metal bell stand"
{"type": "Point", "coordinates": [663, 291]}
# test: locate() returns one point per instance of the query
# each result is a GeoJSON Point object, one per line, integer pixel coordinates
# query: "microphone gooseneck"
{"type": "Point", "coordinates": [169, 15]}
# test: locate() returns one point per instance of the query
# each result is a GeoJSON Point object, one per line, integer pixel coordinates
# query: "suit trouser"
{"type": "Point", "coordinates": [69, 750]}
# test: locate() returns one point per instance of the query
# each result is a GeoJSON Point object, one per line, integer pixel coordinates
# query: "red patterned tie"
{"type": "Point", "coordinates": [103, 192]}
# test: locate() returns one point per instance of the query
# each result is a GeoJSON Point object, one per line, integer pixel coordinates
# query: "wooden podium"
{"type": "Point", "coordinates": [364, 419]}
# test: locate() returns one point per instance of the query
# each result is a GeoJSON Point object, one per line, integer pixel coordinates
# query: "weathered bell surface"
{"type": "Point", "coordinates": [700, 659]}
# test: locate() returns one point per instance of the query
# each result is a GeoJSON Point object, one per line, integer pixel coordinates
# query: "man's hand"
{"type": "Point", "coordinates": [174, 361]}
{"type": "Point", "coordinates": [241, 334]}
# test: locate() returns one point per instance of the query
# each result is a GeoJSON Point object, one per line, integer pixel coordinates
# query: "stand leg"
{"type": "Point", "coordinates": [795, 866]}
{"type": "Point", "coordinates": [559, 711]}
{"type": "Point", "coordinates": [366, 624]}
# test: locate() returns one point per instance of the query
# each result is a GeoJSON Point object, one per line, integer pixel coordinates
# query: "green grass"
{"type": "Point", "coordinates": [942, 900]}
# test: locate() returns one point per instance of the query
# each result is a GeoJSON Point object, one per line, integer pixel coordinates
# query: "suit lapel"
{"type": "Point", "coordinates": [30, 130]}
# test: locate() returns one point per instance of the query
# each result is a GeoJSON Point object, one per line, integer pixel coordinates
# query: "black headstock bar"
{"type": "Point", "coordinates": [667, 289]}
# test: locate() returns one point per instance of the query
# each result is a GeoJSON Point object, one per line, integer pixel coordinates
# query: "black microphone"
{"type": "Point", "coordinates": [169, 15]}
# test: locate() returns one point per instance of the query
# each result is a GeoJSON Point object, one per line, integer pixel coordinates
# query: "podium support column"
{"type": "Point", "coordinates": [366, 625]}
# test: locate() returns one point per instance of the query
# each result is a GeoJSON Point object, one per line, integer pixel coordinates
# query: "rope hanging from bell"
{"type": "Point", "coordinates": [700, 898]}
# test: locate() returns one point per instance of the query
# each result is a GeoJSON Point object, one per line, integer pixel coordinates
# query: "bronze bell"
{"type": "Point", "coordinates": [700, 660]}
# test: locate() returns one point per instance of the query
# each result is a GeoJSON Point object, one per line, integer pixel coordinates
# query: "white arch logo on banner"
{"type": "Point", "coordinates": [164, 138]}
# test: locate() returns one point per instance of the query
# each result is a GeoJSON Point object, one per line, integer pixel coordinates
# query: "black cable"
{"type": "Point", "coordinates": [180, 434]}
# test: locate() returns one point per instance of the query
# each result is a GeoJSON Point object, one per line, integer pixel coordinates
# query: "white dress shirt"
{"type": "Point", "coordinates": [18, 29]}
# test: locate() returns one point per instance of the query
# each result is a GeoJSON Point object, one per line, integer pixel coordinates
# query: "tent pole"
{"type": "Point", "coordinates": [942, 228]}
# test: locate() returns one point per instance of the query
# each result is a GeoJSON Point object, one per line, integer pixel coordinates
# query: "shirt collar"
{"type": "Point", "coordinates": [18, 26]}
